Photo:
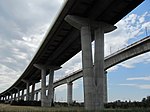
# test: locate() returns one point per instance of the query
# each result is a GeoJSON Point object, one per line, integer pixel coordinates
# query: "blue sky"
{"type": "Point", "coordinates": [23, 25]}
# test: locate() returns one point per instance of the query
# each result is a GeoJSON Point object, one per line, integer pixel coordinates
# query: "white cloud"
{"type": "Point", "coordinates": [21, 34]}
{"type": "Point", "coordinates": [140, 86]}
{"type": "Point", "coordinates": [147, 78]}
{"type": "Point", "coordinates": [144, 58]}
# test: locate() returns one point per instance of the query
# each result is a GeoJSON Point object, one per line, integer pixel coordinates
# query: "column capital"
{"type": "Point", "coordinates": [40, 66]}
{"type": "Point", "coordinates": [79, 22]}
{"type": "Point", "coordinates": [69, 83]}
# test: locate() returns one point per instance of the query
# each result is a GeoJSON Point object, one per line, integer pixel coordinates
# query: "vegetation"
{"type": "Point", "coordinates": [8, 108]}
{"type": "Point", "coordinates": [145, 103]}
{"type": "Point", "coordinates": [117, 106]}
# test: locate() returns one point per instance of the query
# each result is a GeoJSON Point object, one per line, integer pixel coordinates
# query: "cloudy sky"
{"type": "Point", "coordinates": [23, 24]}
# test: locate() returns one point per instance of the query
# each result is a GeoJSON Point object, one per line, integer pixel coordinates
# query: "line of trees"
{"type": "Point", "coordinates": [145, 103]}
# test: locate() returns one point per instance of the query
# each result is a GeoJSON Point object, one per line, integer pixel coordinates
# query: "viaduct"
{"type": "Point", "coordinates": [79, 23]}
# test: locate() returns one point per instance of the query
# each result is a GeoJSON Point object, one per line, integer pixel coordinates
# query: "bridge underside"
{"type": "Point", "coordinates": [63, 41]}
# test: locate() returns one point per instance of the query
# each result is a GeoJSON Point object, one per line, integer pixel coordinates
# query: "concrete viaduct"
{"type": "Point", "coordinates": [79, 23]}
{"type": "Point", "coordinates": [124, 54]}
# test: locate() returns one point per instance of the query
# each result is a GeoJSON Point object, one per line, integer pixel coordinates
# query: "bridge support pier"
{"type": "Point", "coordinates": [11, 96]}
{"type": "Point", "coordinates": [14, 96]}
{"type": "Point", "coordinates": [50, 88]}
{"type": "Point", "coordinates": [46, 100]}
{"type": "Point", "coordinates": [22, 96]}
{"type": "Point", "coordinates": [28, 91]}
{"type": "Point", "coordinates": [69, 93]}
{"type": "Point", "coordinates": [32, 92]}
{"type": "Point", "coordinates": [93, 77]}
{"type": "Point", "coordinates": [18, 94]}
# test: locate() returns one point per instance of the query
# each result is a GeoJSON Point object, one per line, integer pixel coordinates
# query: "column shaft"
{"type": "Point", "coordinates": [11, 96]}
{"type": "Point", "coordinates": [87, 64]}
{"type": "Point", "coordinates": [18, 94]}
{"type": "Point", "coordinates": [32, 93]}
{"type": "Point", "coordinates": [99, 68]}
{"type": "Point", "coordinates": [15, 96]}
{"type": "Point", "coordinates": [28, 91]}
{"type": "Point", "coordinates": [69, 93]}
{"type": "Point", "coordinates": [43, 88]}
{"type": "Point", "coordinates": [50, 88]}
{"type": "Point", "coordinates": [22, 96]}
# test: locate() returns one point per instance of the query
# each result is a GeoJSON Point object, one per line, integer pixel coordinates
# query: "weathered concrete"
{"type": "Point", "coordinates": [43, 88]}
{"type": "Point", "coordinates": [93, 82]}
{"type": "Point", "coordinates": [50, 88]}
{"type": "Point", "coordinates": [46, 100]}
{"type": "Point", "coordinates": [99, 68]}
{"type": "Point", "coordinates": [22, 96]}
{"type": "Point", "coordinates": [87, 64]}
{"type": "Point", "coordinates": [15, 96]}
{"type": "Point", "coordinates": [18, 94]}
{"type": "Point", "coordinates": [27, 91]}
{"type": "Point", "coordinates": [32, 92]}
{"type": "Point", "coordinates": [11, 96]}
{"type": "Point", "coordinates": [69, 93]}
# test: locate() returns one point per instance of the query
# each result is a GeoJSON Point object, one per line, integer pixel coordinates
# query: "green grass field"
{"type": "Point", "coordinates": [8, 108]}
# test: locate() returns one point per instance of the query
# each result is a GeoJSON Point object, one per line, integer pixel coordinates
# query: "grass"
{"type": "Point", "coordinates": [8, 108]}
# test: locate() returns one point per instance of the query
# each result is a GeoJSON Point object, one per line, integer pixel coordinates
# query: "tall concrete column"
{"type": "Point", "coordinates": [15, 97]}
{"type": "Point", "coordinates": [27, 91]}
{"type": "Point", "coordinates": [43, 88]}
{"type": "Point", "coordinates": [87, 65]}
{"type": "Point", "coordinates": [22, 96]}
{"type": "Point", "coordinates": [18, 94]}
{"type": "Point", "coordinates": [50, 87]}
{"type": "Point", "coordinates": [11, 96]}
{"type": "Point", "coordinates": [99, 67]}
{"type": "Point", "coordinates": [69, 93]}
{"type": "Point", "coordinates": [32, 92]}
{"type": "Point", "coordinates": [36, 96]}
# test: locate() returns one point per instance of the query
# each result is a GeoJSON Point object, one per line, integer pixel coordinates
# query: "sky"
{"type": "Point", "coordinates": [23, 26]}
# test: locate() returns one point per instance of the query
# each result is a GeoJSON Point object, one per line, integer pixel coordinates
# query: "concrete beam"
{"type": "Point", "coordinates": [79, 22]}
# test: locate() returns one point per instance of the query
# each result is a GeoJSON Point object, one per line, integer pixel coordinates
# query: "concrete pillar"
{"type": "Point", "coordinates": [93, 79]}
{"type": "Point", "coordinates": [36, 96]}
{"type": "Point", "coordinates": [32, 92]}
{"type": "Point", "coordinates": [50, 88]}
{"type": "Point", "coordinates": [43, 88]}
{"type": "Point", "coordinates": [46, 100]}
{"type": "Point", "coordinates": [69, 93]}
{"type": "Point", "coordinates": [18, 94]}
{"type": "Point", "coordinates": [15, 96]}
{"type": "Point", "coordinates": [11, 96]}
{"type": "Point", "coordinates": [87, 65]}
{"type": "Point", "coordinates": [22, 96]}
{"type": "Point", "coordinates": [28, 91]}
{"type": "Point", "coordinates": [99, 67]}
